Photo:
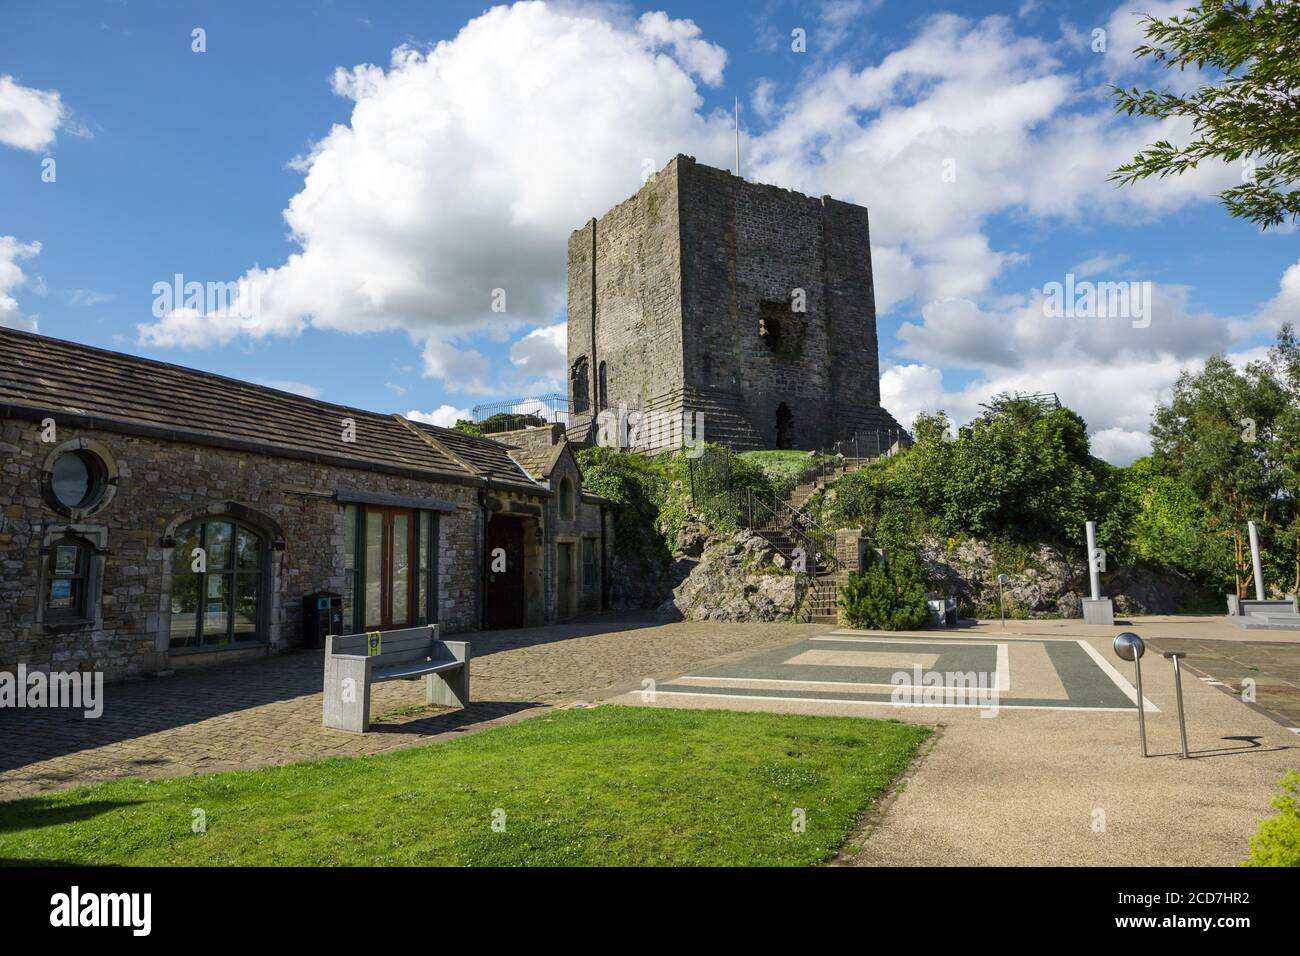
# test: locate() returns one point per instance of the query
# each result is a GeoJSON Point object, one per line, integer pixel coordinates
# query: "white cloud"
{"type": "Point", "coordinates": [699, 57]}
{"type": "Point", "coordinates": [967, 121]}
{"type": "Point", "coordinates": [286, 385]}
{"type": "Point", "coordinates": [395, 388]}
{"type": "Point", "coordinates": [89, 297]}
{"type": "Point", "coordinates": [1120, 446]}
{"type": "Point", "coordinates": [541, 356]}
{"type": "Point", "coordinates": [1283, 307]}
{"type": "Point", "coordinates": [956, 332]}
{"type": "Point", "coordinates": [11, 278]}
{"type": "Point", "coordinates": [29, 118]}
{"type": "Point", "coordinates": [464, 168]}
{"type": "Point", "coordinates": [1098, 264]}
{"type": "Point", "coordinates": [444, 416]}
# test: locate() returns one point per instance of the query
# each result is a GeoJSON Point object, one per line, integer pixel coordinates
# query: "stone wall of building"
{"type": "Point", "coordinates": [582, 524]}
{"type": "Point", "coordinates": [638, 324]}
{"type": "Point", "coordinates": [730, 298]}
{"type": "Point", "coordinates": [159, 486]}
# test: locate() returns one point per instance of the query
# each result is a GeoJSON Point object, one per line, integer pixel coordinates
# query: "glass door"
{"type": "Point", "coordinates": [389, 581]}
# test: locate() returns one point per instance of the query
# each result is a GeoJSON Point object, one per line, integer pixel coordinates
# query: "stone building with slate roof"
{"type": "Point", "coordinates": [154, 517]}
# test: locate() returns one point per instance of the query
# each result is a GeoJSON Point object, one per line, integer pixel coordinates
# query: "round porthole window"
{"type": "Point", "coordinates": [78, 480]}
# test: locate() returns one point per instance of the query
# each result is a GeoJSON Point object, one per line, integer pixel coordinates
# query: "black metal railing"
{"type": "Point", "coordinates": [493, 417]}
{"type": "Point", "coordinates": [876, 443]}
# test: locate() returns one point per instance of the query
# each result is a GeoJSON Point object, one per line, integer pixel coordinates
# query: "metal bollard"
{"type": "Point", "coordinates": [1130, 647]}
{"type": "Point", "coordinates": [1178, 689]}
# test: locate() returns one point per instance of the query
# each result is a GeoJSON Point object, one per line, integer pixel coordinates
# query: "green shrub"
{"type": "Point", "coordinates": [1278, 841]}
{"type": "Point", "coordinates": [886, 598]}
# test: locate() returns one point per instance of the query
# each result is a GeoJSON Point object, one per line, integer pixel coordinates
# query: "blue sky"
{"type": "Point", "coordinates": [379, 197]}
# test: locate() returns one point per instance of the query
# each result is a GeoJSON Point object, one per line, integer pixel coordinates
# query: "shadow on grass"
{"type": "Point", "coordinates": [433, 720]}
{"type": "Point", "coordinates": [33, 813]}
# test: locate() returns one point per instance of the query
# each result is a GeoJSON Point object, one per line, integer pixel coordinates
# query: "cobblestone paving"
{"type": "Point", "coordinates": [1273, 666]}
{"type": "Point", "coordinates": [245, 715]}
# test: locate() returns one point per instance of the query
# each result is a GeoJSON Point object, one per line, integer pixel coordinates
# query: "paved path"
{"type": "Point", "coordinates": [269, 712]}
{"type": "Point", "coordinates": [1052, 783]}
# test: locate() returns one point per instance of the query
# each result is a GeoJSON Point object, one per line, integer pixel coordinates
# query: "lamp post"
{"type": "Point", "coordinates": [1002, 604]}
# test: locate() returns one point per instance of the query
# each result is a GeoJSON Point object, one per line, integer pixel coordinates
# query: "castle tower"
{"type": "Point", "coordinates": [748, 303]}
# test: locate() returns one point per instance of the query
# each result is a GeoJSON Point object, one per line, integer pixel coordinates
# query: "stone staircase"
{"type": "Point", "coordinates": [804, 491]}
{"type": "Point", "coordinates": [820, 601]}
{"type": "Point", "coordinates": [726, 419]}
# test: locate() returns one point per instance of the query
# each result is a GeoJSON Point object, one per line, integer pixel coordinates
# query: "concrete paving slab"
{"type": "Point", "coordinates": [1041, 785]}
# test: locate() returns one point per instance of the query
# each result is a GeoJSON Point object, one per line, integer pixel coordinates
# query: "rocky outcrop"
{"type": "Point", "coordinates": [1047, 584]}
{"type": "Point", "coordinates": [732, 577]}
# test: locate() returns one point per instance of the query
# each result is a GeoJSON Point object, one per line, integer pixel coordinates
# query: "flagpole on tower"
{"type": "Point", "coordinates": [737, 135]}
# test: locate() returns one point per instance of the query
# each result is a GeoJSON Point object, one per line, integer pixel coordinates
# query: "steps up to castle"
{"type": "Point", "coordinates": [804, 491]}
{"type": "Point", "coordinates": [821, 604]}
{"type": "Point", "coordinates": [726, 417]}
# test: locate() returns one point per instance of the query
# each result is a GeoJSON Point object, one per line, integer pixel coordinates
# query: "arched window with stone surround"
{"type": "Point", "coordinates": [566, 497]}
{"type": "Point", "coordinates": [218, 584]}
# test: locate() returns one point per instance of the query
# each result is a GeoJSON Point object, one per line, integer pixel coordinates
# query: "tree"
{"type": "Point", "coordinates": [1249, 111]}
{"type": "Point", "coordinates": [887, 596]}
{"type": "Point", "coordinates": [1285, 450]}
{"type": "Point", "coordinates": [1220, 435]}
{"type": "Point", "coordinates": [1020, 470]}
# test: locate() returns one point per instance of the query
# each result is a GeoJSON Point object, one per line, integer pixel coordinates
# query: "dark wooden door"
{"type": "Point", "coordinates": [505, 589]}
{"type": "Point", "coordinates": [390, 581]}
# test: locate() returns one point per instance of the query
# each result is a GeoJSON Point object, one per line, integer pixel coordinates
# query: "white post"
{"type": "Point", "coordinates": [737, 135]}
{"type": "Point", "coordinates": [1094, 575]}
{"type": "Point", "coordinates": [1254, 561]}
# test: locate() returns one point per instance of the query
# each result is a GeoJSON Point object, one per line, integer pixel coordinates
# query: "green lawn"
{"type": "Point", "coordinates": [606, 785]}
{"type": "Point", "coordinates": [784, 469]}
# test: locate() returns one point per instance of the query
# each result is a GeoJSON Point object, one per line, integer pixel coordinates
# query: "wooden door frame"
{"type": "Point", "coordinates": [386, 621]}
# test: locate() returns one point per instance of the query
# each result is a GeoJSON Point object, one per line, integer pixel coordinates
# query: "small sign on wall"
{"type": "Point", "coordinates": [374, 643]}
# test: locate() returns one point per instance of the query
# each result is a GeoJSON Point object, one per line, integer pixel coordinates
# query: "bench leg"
{"type": "Point", "coordinates": [347, 694]}
{"type": "Point", "coordinates": [451, 688]}
{"type": "Point", "coordinates": [448, 689]}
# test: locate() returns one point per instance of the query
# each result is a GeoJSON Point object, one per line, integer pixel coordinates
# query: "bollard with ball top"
{"type": "Point", "coordinates": [1130, 647]}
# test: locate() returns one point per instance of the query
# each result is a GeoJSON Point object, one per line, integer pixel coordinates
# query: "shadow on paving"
{"type": "Point", "coordinates": [1272, 667]}
{"type": "Point", "coordinates": [138, 708]}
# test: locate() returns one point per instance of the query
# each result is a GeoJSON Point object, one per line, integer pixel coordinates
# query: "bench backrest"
{"type": "Point", "coordinates": [408, 644]}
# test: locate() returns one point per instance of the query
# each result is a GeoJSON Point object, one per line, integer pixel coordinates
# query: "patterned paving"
{"type": "Point", "coordinates": [848, 668]}
{"type": "Point", "coordinates": [1268, 671]}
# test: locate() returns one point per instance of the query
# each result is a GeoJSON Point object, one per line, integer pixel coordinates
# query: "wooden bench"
{"type": "Point", "coordinates": [354, 662]}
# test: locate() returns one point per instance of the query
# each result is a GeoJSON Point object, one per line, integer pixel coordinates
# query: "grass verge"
{"type": "Point", "coordinates": [606, 785]}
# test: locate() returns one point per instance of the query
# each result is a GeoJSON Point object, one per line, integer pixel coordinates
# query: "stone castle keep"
{"type": "Point", "coordinates": [686, 298]}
